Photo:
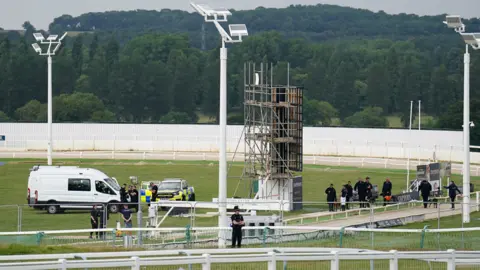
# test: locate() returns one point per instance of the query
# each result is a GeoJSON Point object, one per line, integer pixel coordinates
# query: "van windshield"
{"type": "Point", "coordinates": [112, 183]}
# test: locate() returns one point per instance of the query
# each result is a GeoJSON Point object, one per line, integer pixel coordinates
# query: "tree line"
{"type": "Point", "coordinates": [151, 76]}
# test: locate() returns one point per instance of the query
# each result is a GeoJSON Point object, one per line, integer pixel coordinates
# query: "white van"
{"type": "Point", "coordinates": [57, 188]}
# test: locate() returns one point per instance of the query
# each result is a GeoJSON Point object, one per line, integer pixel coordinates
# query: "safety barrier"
{"type": "Point", "coordinates": [362, 162]}
{"type": "Point", "coordinates": [254, 259]}
{"type": "Point", "coordinates": [272, 236]}
{"type": "Point", "coordinates": [261, 259]}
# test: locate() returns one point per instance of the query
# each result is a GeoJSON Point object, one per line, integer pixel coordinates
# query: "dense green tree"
{"type": "Point", "coordinates": [452, 119]}
{"type": "Point", "coordinates": [318, 113]}
{"type": "Point", "coordinates": [145, 65]}
{"type": "Point", "coordinates": [4, 117]}
{"type": "Point", "coordinates": [370, 117]}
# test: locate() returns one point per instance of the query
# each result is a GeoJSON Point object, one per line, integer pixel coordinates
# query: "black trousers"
{"type": "Point", "coordinates": [94, 226]}
{"type": "Point", "coordinates": [237, 237]}
{"type": "Point", "coordinates": [347, 202]}
{"type": "Point", "coordinates": [452, 199]}
{"type": "Point", "coordinates": [425, 200]}
{"type": "Point", "coordinates": [362, 199]}
{"type": "Point", "coordinates": [330, 206]}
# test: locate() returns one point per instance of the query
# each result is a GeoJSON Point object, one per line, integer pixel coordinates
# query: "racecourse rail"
{"type": "Point", "coordinates": [271, 259]}
{"type": "Point", "coordinates": [363, 162]}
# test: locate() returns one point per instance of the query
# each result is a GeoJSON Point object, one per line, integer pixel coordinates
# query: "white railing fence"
{"type": "Point", "coordinates": [209, 144]}
{"type": "Point", "coordinates": [364, 162]}
{"type": "Point", "coordinates": [261, 236]}
{"type": "Point", "coordinates": [254, 259]}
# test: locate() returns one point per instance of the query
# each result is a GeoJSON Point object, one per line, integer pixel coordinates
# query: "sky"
{"type": "Point", "coordinates": [41, 13]}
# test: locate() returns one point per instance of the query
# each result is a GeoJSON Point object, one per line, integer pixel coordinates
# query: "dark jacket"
{"type": "Point", "coordinates": [360, 187]}
{"type": "Point", "coordinates": [387, 188]}
{"type": "Point", "coordinates": [344, 192]}
{"type": "Point", "coordinates": [349, 190]}
{"type": "Point", "coordinates": [452, 190]}
{"type": "Point", "coordinates": [123, 194]}
{"type": "Point", "coordinates": [425, 188]}
{"type": "Point", "coordinates": [331, 194]}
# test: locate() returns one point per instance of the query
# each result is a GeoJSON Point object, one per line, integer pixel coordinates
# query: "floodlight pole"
{"type": "Point", "coordinates": [222, 172]}
{"type": "Point", "coordinates": [419, 114]}
{"type": "Point", "coordinates": [53, 46]}
{"type": "Point", "coordinates": [466, 137]}
{"type": "Point", "coordinates": [460, 28]}
{"type": "Point", "coordinates": [409, 139]}
{"type": "Point", "coordinates": [50, 111]}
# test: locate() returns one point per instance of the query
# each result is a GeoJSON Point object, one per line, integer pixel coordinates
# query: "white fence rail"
{"type": "Point", "coordinates": [271, 259]}
{"type": "Point", "coordinates": [386, 163]}
{"type": "Point", "coordinates": [384, 143]}
{"type": "Point", "coordinates": [260, 236]}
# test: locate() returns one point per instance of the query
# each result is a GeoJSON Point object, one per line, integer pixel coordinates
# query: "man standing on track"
{"type": "Point", "coordinates": [386, 191]}
{"type": "Point", "coordinates": [425, 188]}
{"type": "Point", "coordinates": [94, 221]}
{"type": "Point", "coordinates": [237, 224]}
{"type": "Point", "coordinates": [361, 189]}
{"type": "Point", "coordinates": [349, 193]}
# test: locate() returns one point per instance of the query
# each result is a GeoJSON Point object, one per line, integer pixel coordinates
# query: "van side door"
{"type": "Point", "coordinates": [103, 193]}
{"type": "Point", "coordinates": [79, 191]}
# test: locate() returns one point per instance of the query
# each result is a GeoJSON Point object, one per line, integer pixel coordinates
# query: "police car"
{"type": "Point", "coordinates": [171, 189]}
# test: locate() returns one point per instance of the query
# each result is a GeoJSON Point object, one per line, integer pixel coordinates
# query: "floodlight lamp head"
{"type": "Point", "coordinates": [52, 37]}
{"type": "Point", "coordinates": [455, 22]}
{"type": "Point", "coordinates": [472, 39]}
{"type": "Point", "coordinates": [37, 48]}
{"type": "Point", "coordinates": [210, 14]}
{"type": "Point", "coordinates": [238, 31]}
{"type": "Point", "coordinates": [38, 37]}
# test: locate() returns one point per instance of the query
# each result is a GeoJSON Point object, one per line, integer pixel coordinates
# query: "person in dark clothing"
{"type": "Point", "coordinates": [94, 221]}
{"type": "Point", "coordinates": [361, 188]}
{"type": "Point", "coordinates": [134, 198]}
{"type": "Point", "coordinates": [331, 197]}
{"type": "Point", "coordinates": [343, 199]}
{"type": "Point", "coordinates": [386, 191]}
{"type": "Point", "coordinates": [425, 188]}
{"type": "Point", "coordinates": [349, 193]}
{"type": "Point", "coordinates": [237, 224]}
{"type": "Point", "coordinates": [123, 193]}
{"type": "Point", "coordinates": [452, 192]}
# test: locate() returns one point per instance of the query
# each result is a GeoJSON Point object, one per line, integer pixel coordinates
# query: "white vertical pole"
{"type": "Point", "coordinates": [409, 139]}
{"type": "Point", "coordinates": [49, 148]}
{"type": "Point", "coordinates": [222, 172]}
{"type": "Point", "coordinates": [419, 114]}
{"type": "Point", "coordinates": [466, 137]}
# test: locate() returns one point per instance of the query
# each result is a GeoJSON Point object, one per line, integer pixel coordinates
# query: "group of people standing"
{"type": "Point", "coordinates": [129, 196]}
{"type": "Point", "coordinates": [425, 188]}
{"type": "Point", "coordinates": [364, 190]}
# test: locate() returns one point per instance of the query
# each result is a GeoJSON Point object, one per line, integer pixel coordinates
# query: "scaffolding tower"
{"type": "Point", "coordinates": [273, 132]}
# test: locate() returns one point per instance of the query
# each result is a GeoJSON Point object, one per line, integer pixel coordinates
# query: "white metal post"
{"type": "Point", "coordinates": [272, 263]}
{"type": "Point", "coordinates": [419, 114]}
{"type": "Point", "coordinates": [409, 139]}
{"type": "Point", "coordinates": [50, 147]}
{"type": "Point", "coordinates": [451, 265]}
{"type": "Point", "coordinates": [335, 263]}
{"type": "Point", "coordinates": [466, 137]}
{"type": "Point", "coordinates": [393, 261]}
{"type": "Point", "coordinates": [222, 171]}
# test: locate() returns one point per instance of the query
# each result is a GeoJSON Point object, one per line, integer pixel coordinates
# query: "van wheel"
{"type": "Point", "coordinates": [52, 209]}
{"type": "Point", "coordinates": [113, 208]}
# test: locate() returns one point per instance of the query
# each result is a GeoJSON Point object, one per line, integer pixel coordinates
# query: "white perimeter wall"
{"type": "Point", "coordinates": [391, 143]}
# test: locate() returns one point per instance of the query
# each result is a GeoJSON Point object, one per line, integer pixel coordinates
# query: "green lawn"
{"type": "Point", "coordinates": [203, 176]}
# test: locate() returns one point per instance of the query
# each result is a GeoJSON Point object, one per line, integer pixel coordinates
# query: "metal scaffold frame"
{"type": "Point", "coordinates": [273, 131]}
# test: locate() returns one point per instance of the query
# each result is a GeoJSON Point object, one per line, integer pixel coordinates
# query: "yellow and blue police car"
{"type": "Point", "coordinates": [171, 189]}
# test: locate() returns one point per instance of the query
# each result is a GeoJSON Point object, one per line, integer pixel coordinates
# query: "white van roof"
{"type": "Point", "coordinates": [72, 170]}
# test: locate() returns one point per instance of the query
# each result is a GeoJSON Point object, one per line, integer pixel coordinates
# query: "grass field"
{"type": "Point", "coordinates": [202, 175]}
